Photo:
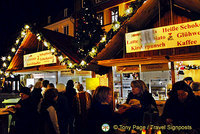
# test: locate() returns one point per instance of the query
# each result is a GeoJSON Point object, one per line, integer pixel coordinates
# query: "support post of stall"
{"type": "Point", "coordinates": [172, 73]}
{"type": "Point", "coordinates": [110, 84]}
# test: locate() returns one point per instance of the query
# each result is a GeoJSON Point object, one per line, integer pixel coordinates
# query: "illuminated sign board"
{"type": "Point", "coordinates": [39, 58]}
{"type": "Point", "coordinates": [179, 35]}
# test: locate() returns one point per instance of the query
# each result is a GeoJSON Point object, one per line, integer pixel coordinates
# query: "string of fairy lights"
{"type": "Point", "coordinates": [64, 60]}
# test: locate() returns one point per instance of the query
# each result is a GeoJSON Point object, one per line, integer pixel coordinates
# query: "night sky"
{"type": "Point", "coordinates": [15, 13]}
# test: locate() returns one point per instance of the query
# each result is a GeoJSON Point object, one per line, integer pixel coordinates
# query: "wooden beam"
{"type": "Point", "coordinates": [42, 68]}
{"type": "Point", "coordinates": [148, 60]}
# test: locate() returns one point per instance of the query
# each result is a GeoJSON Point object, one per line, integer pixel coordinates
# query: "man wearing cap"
{"type": "Point", "coordinates": [26, 115]}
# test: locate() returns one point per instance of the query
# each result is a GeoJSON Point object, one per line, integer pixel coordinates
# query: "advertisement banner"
{"type": "Point", "coordinates": [179, 35]}
{"type": "Point", "coordinates": [39, 58]}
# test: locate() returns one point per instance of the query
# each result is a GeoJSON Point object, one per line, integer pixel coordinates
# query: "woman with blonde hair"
{"type": "Point", "coordinates": [140, 92]}
{"type": "Point", "coordinates": [101, 110]}
{"type": "Point", "coordinates": [141, 102]}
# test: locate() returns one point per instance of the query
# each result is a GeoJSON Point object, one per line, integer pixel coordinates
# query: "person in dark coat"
{"type": "Point", "coordinates": [70, 94]}
{"type": "Point", "coordinates": [182, 108]}
{"type": "Point", "coordinates": [142, 103]}
{"type": "Point", "coordinates": [101, 111]}
{"type": "Point", "coordinates": [26, 116]}
{"type": "Point", "coordinates": [49, 118]}
{"type": "Point", "coordinates": [82, 104]}
{"type": "Point", "coordinates": [62, 109]}
{"type": "Point", "coordinates": [36, 94]}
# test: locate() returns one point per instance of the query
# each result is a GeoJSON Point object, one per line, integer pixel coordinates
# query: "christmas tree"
{"type": "Point", "coordinates": [88, 31]}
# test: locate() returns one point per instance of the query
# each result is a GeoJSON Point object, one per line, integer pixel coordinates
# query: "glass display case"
{"type": "Point", "coordinates": [158, 88]}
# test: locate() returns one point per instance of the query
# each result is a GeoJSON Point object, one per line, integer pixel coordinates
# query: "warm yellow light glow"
{"type": "Point", "coordinates": [103, 39]}
{"type": "Point", "coordinates": [116, 26]}
{"type": "Point", "coordinates": [39, 38]}
{"type": "Point", "coordinates": [45, 44]}
{"type": "Point", "coordinates": [143, 131]}
{"type": "Point", "coordinates": [78, 69]}
{"type": "Point", "coordinates": [70, 65]}
{"type": "Point", "coordinates": [53, 50]}
{"type": "Point", "coordinates": [3, 58]}
{"type": "Point", "coordinates": [60, 58]}
{"type": "Point", "coordinates": [1, 72]}
{"type": "Point", "coordinates": [158, 132]}
{"type": "Point", "coordinates": [83, 63]}
{"type": "Point", "coordinates": [4, 64]}
{"type": "Point", "coordinates": [128, 11]}
{"type": "Point", "coordinates": [6, 74]}
{"type": "Point", "coordinates": [13, 49]}
{"type": "Point", "coordinates": [23, 33]}
{"type": "Point", "coordinates": [26, 26]}
{"type": "Point", "coordinates": [9, 57]}
{"type": "Point", "coordinates": [94, 50]}
{"type": "Point", "coordinates": [17, 41]}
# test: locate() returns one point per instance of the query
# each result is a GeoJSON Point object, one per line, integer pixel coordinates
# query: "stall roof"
{"type": "Point", "coordinates": [139, 21]}
{"type": "Point", "coordinates": [30, 44]}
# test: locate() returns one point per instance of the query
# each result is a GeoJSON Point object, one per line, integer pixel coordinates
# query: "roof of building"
{"type": "Point", "coordinates": [31, 44]}
{"type": "Point", "coordinates": [139, 21]}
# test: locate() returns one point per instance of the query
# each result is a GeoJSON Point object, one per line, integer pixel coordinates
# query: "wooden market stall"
{"type": "Point", "coordinates": [44, 52]}
{"type": "Point", "coordinates": [152, 15]}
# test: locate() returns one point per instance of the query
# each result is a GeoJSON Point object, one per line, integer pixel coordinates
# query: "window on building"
{"type": "Point", "coordinates": [100, 18]}
{"type": "Point", "coordinates": [66, 30]}
{"type": "Point", "coordinates": [65, 12]}
{"type": "Point", "coordinates": [114, 14]}
{"type": "Point", "coordinates": [49, 19]}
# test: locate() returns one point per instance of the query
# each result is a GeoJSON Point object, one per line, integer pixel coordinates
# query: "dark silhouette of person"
{"type": "Point", "coordinates": [26, 116]}
{"type": "Point", "coordinates": [182, 108]}
{"type": "Point", "coordinates": [82, 105]}
{"type": "Point", "coordinates": [62, 109]}
{"type": "Point", "coordinates": [49, 119]}
{"type": "Point", "coordinates": [70, 94]}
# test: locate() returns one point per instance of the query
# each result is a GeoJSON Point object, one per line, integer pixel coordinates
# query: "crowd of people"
{"type": "Point", "coordinates": [49, 109]}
